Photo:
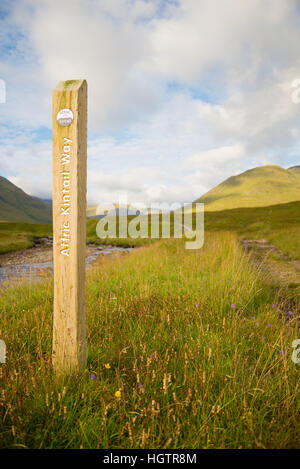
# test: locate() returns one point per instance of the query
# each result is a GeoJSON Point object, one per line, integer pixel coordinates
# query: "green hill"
{"type": "Point", "coordinates": [257, 187]}
{"type": "Point", "coordinates": [16, 205]}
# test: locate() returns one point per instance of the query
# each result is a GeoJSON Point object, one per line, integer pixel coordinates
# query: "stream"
{"type": "Point", "coordinates": [37, 271]}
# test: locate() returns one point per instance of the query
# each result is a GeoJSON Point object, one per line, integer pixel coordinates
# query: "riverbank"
{"type": "Point", "coordinates": [36, 263]}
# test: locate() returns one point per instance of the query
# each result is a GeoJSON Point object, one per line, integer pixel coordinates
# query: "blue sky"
{"type": "Point", "coordinates": [182, 94]}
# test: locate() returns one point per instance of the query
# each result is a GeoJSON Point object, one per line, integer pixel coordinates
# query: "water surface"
{"type": "Point", "coordinates": [36, 271]}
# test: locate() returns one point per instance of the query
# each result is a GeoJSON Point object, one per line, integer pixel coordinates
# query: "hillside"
{"type": "Point", "coordinates": [257, 187]}
{"type": "Point", "coordinates": [16, 205]}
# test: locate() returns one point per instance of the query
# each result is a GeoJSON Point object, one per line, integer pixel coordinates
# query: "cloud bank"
{"type": "Point", "coordinates": [182, 94]}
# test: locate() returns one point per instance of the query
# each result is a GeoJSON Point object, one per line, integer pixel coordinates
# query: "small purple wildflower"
{"type": "Point", "coordinates": [232, 305]}
{"type": "Point", "coordinates": [140, 385]}
{"type": "Point", "coordinates": [269, 325]}
{"type": "Point", "coordinates": [273, 306]}
{"type": "Point", "coordinates": [291, 313]}
{"type": "Point", "coordinates": [197, 305]}
{"type": "Point", "coordinates": [253, 317]}
{"type": "Point", "coordinates": [281, 352]}
{"type": "Point", "coordinates": [263, 337]}
{"type": "Point", "coordinates": [93, 376]}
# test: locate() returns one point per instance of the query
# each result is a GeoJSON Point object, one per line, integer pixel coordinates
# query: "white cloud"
{"type": "Point", "coordinates": [233, 37]}
{"type": "Point", "coordinates": [216, 156]}
{"type": "Point", "coordinates": [84, 39]}
{"type": "Point", "coordinates": [181, 94]}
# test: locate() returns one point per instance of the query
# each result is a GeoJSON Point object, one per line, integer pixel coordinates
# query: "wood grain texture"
{"type": "Point", "coordinates": [69, 227]}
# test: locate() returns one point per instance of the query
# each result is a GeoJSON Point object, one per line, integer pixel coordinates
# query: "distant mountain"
{"type": "Point", "coordinates": [257, 187]}
{"type": "Point", "coordinates": [294, 168]}
{"type": "Point", "coordinates": [48, 201]}
{"type": "Point", "coordinates": [16, 205]}
{"type": "Point", "coordinates": [99, 211]}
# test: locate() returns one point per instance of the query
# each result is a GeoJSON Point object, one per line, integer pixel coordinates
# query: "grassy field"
{"type": "Point", "coordinates": [92, 237]}
{"type": "Point", "coordinates": [278, 224]}
{"type": "Point", "coordinates": [14, 235]}
{"type": "Point", "coordinates": [186, 349]}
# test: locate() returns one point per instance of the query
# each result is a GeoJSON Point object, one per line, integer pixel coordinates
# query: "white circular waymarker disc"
{"type": "Point", "coordinates": [65, 117]}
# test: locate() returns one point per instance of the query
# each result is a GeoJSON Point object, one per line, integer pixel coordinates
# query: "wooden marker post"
{"type": "Point", "coordinates": [69, 224]}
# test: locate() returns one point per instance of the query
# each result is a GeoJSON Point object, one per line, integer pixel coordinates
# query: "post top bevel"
{"type": "Point", "coordinates": [70, 85]}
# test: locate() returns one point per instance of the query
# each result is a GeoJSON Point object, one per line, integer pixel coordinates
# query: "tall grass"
{"type": "Point", "coordinates": [186, 349]}
{"type": "Point", "coordinates": [278, 224]}
{"type": "Point", "coordinates": [18, 235]}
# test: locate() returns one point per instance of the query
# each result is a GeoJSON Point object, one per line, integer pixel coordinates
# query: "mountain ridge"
{"type": "Point", "coordinates": [255, 187]}
{"type": "Point", "coordinates": [16, 205]}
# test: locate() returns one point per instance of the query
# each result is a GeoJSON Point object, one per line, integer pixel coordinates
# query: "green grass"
{"type": "Point", "coordinates": [278, 224]}
{"type": "Point", "coordinates": [18, 235]}
{"type": "Point", "coordinates": [14, 236]}
{"type": "Point", "coordinates": [196, 329]}
{"type": "Point", "coordinates": [92, 237]}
